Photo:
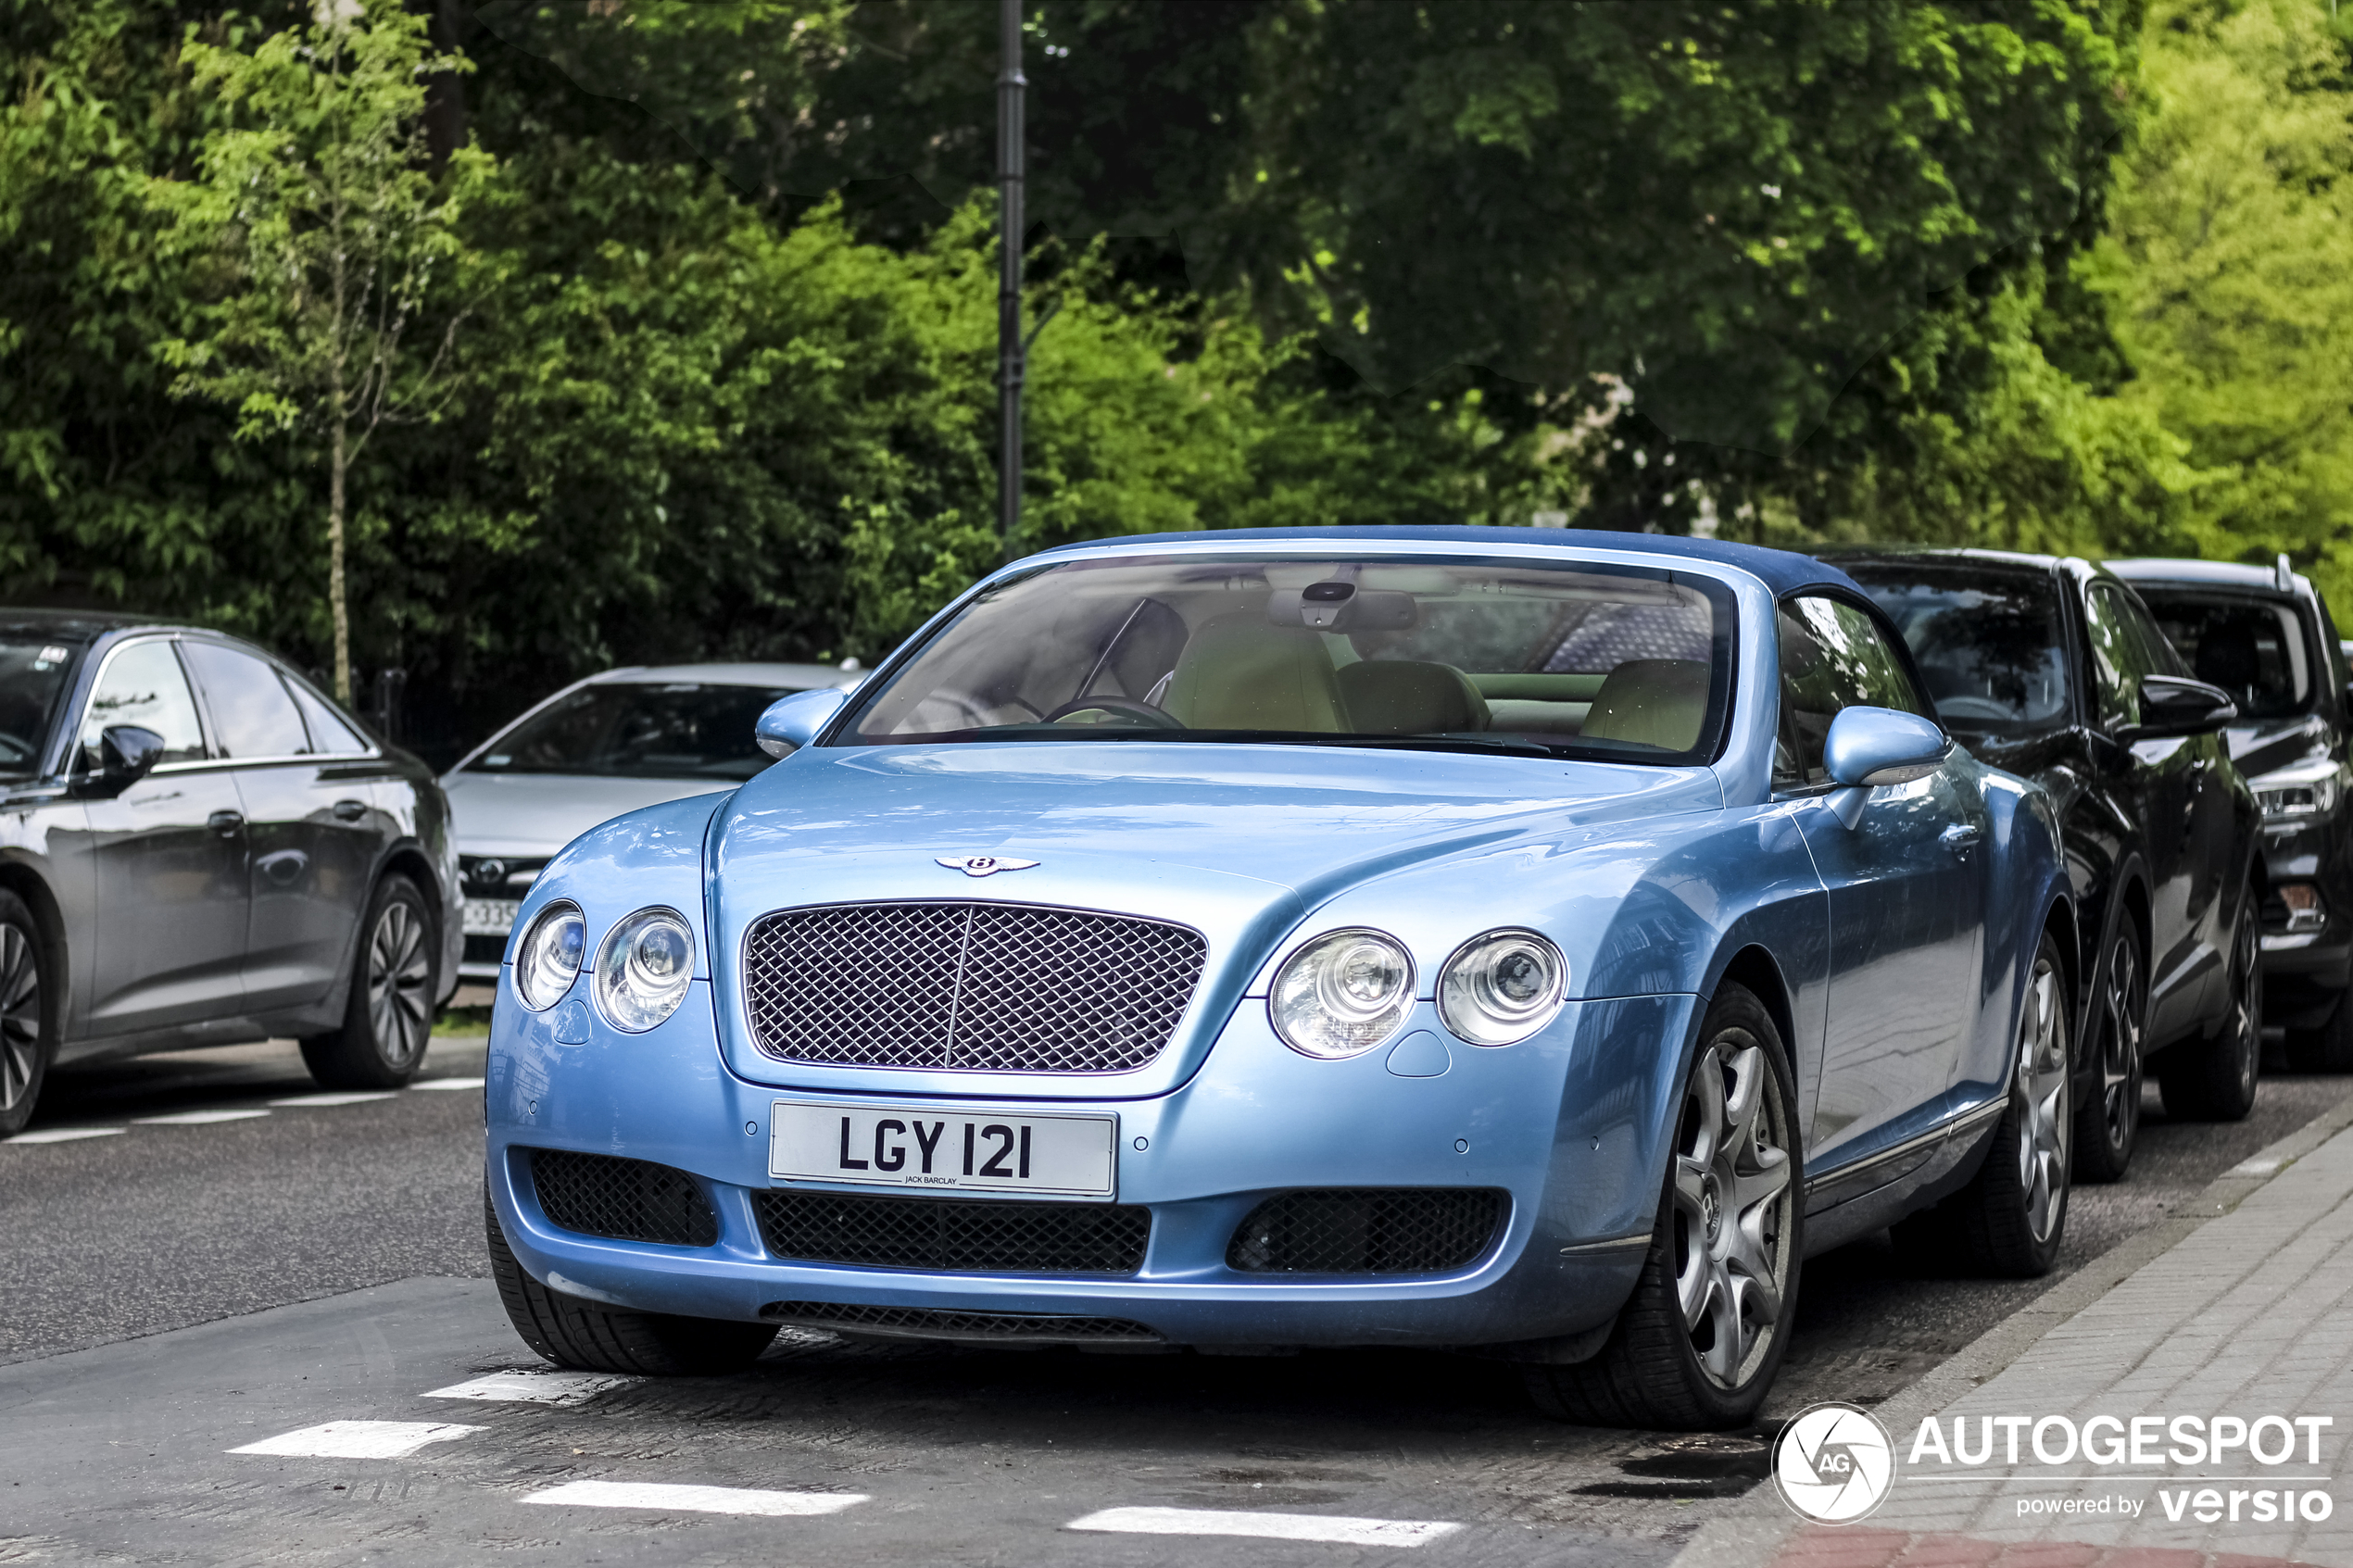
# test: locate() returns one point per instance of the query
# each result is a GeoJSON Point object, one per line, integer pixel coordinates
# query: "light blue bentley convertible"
{"type": "Point", "coordinates": [1525, 941]}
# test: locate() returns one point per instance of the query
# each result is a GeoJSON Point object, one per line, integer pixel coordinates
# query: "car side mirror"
{"type": "Point", "coordinates": [793, 722]}
{"type": "Point", "coordinates": [2173, 705]}
{"type": "Point", "coordinates": [1869, 747]}
{"type": "Point", "coordinates": [126, 754]}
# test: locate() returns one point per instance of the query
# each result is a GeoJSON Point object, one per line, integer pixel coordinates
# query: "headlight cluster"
{"type": "Point", "coordinates": [641, 972]}
{"type": "Point", "coordinates": [1346, 992]}
{"type": "Point", "coordinates": [2308, 788]}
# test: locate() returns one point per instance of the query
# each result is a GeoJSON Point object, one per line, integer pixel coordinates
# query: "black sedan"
{"type": "Point", "coordinates": [2054, 670]}
{"type": "Point", "coordinates": [2265, 636]}
{"type": "Point", "coordinates": [196, 848]}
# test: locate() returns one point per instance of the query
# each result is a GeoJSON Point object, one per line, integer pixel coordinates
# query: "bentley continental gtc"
{"type": "Point", "coordinates": [1521, 941]}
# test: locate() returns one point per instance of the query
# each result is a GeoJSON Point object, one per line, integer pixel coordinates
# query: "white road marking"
{"type": "Point", "coordinates": [697, 1499]}
{"type": "Point", "coordinates": [449, 1084]}
{"type": "Point", "coordinates": [358, 1440]}
{"type": "Point", "coordinates": [65, 1134]}
{"type": "Point", "coordinates": [195, 1118]}
{"type": "Point", "coordinates": [1272, 1526]}
{"type": "Point", "coordinates": [348, 1098]}
{"type": "Point", "coordinates": [530, 1385]}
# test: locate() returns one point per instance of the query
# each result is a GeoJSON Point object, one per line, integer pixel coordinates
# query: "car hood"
{"type": "Point", "coordinates": [2267, 744]}
{"type": "Point", "coordinates": [532, 815]}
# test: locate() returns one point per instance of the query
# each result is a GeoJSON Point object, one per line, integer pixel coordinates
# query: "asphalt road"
{"type": "Point", "coordinates": [174, 1291]}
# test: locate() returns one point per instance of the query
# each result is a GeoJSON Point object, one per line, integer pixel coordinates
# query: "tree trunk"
{"type": "Point", "coordinates": [334, 558]}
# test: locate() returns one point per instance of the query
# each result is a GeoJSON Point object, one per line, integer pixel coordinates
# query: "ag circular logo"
{"type": "Point", "coordinates": [1833, 1463]}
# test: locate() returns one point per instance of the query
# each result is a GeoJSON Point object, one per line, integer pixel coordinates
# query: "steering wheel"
{"type": "Point", "coordinates": [1159, 718]}
{"type": "Point", "coordinates": [1974, 708]}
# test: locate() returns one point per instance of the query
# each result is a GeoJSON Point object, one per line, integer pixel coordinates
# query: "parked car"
{"type": "Point", "coordinates": [2053, 670]}
{"type": "Point", "coordinates": [1521, 939]}
{"type": "Point", "coordinates": [2266, 638]}
{"type": "Point", "coordinates": [197, 847]}
{"type": "Point", "coordinates": [600, 746]}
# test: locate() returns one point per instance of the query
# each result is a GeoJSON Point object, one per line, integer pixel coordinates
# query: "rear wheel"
{"type": "Point", "coordinates": [1697, 1343]}
{"type": "Point", "coordinates": [2328, 1048]}
{"type": "Point", "coordinates": [2108, 1123]}
{"type": "Point", "coordinates": [581, 1334]}
{"type": "Point", "coordinates": [2213, 1079]}
{"type": "Point", "coordinates": [28, 1013]}
{"type": "Point", "coordinates": [388, 1021]}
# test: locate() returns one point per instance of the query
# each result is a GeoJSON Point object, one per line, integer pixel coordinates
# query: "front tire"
{"type": "Point", "coordinates": [2214, 1079]}
{"type": "Point", "coordinates": [2108, 1122]}
{"type": "Point", "coordinates": [1697, 1343]}
{"type": "Point", "coordinates": [28, 1013]}
{"type": "Point", "coordinates": [388, 1021]}
{"type": "Point", "coordinates": [587, 1337]}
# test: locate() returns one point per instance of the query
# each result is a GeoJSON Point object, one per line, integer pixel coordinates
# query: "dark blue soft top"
{"type": "Point", "coordinates": [1781, 571]}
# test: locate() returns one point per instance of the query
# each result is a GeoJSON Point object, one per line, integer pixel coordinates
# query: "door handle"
{"type": "Point", "coordinates": [226, 823]}
{"type": "Point", "coordinates": [350, 811]}
{"type": "Point", "coordinates": [1960, 838]}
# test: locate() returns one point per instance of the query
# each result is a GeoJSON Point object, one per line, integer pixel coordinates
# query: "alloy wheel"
{"type": "Point", "coordinates": [399, 974]}
{"type": "Point", "coordinates": [2245, 1022]}
{"type": "Point", "coordinates": [1732, 1202]}
{"type": "Point", "coordinates": [19, 1016]}
{"type": "Point", "coordinates": [2124, 1009]}
{"type": "Point", "coordinates": [2041, 1090]}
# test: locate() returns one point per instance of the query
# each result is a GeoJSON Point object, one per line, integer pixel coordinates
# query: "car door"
{"type": "Point", "coordinates": [310, 821]}
{"type": "Point", "coordinates": [1906, 904]}
{"type": "Point", "coordinates": [167, 857]}
{"type": "Point", "coordinates": [2158, 784]}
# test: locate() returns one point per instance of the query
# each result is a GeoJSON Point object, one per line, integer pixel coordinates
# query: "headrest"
{"type": "Point", "coordinates": [1402, 697]}
{"type": "Point", "coordinates": [1237, 672]}
{"type": "Point", "coordinates": [1659, 702]}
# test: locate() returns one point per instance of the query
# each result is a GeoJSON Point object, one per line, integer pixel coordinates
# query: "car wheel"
{"type": "Point", "coordinates": [388, 1020]}
{"type": "Point", "coordinates": [581, 1334]}
{"type": "Point", "coordinates": [2108, 1122]}
{"type": "Point", "coordinates": [2213, 1079]}
{"type": "Point", "coordinates": [28, 1013]}
{"type": "Point", "coordinates": [2328, 1048]}
{"type": "Point", "coordinates": [1697, 1343]}
{"type": "Point", "coordinates": [2010, 1219]}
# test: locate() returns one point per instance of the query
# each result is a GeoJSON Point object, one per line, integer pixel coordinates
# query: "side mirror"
{"type": "Point", "coordinates": [2171, 705]}
{"type": "Point", "coordinates": [1869, 747]}
{"type": "Point", "coordinates": [126, 753]}
{"type": "Point", "coordinates": [793, 722]}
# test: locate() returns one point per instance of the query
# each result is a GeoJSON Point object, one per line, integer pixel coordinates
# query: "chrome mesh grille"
{"type": "Point", "coordinates": [968, 987]}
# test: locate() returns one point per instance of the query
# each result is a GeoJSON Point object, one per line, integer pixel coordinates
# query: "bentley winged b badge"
{"type": "Point", "coordinates": [984, 865]}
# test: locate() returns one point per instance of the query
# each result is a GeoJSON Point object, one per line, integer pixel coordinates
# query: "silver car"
{"type": "Point", "coordinates": [601, 747]}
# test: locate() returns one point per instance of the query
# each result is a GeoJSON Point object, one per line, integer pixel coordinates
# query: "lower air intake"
{"type": "Point", "coordinates": [919, 1323]}
{"type": "Point", "coordinates": [1367, 1231]}
{"type": "Point", "coordinates": [955, 1236]}
{"type": "Point", "coordinates": [626, 1199]}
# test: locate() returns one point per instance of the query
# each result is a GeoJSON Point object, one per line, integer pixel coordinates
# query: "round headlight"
{"type": "Point", "coordinates": [1342, 994]}
{"type": "Point", "coordinates": [1500, 988]}
{"type": "Point", "coordinates": [549, 960]}
{"type": "Point", "coordinates": [643, 967]}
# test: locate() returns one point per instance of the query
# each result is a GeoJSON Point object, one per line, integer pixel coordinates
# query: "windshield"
{"type": "Point", "coordinates": [32, 673]}
{"type": "Point", "coordinates": [1988, 644]}
{"type": "Point", "coordinates": [640, 730]}
{"type": "Point", "coordinates": [2252, 649]}
{"type": "Point", "coordinates": [1439, 653]}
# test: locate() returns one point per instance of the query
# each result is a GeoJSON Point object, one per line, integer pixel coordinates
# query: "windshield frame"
{"type": "Point", "coordinates": [1962, 575]}
{"type": "Point", "coordinates": [64, 703]}
{"type": "Point", "coordinates": [472, 762]}
{"type": "Point", "coordinates": [1724, 588]}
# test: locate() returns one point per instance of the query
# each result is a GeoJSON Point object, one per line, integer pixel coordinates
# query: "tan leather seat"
{"type": "Point", "coordinates": [1404, 698]}
{"type": "Point", "coordinates": [1239, 673]}
{"type": "Point", "coordinates": [1659, 702]}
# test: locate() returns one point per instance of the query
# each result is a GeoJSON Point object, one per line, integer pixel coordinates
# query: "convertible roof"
{"type": "Point", "coordinates": [1781, 571]}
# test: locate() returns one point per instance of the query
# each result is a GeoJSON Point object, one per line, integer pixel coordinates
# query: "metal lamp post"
{"type": "Point", "coordinates": [1012, 170]}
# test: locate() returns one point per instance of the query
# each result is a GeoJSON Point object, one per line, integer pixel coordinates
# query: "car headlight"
{"type": "Point", "coordinates": [2305, 788]}
{"type": "Point", "coordinates": [643, 969]}
{"type": "Point", "coordinates": [1501, 987]}
{"type": "Point", "coordinates": [1342, 994]}
{"type": "Point", "coordinates": [549, 960]}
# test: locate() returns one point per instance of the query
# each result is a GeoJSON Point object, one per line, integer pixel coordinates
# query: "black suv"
{"type": "Point", "coordinates": [2265, 636]}
{"type": "Point", "coordinates": [2052, 669]}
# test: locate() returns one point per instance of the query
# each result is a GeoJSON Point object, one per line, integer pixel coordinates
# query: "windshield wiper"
{"type": "Point", "coordinates": [1433, 743]}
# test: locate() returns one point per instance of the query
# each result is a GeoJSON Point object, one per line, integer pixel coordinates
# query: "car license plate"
{"type": "Point", "coordinates": [943, 1149]}
{"type": "Point", "coordinates": [491, 917]}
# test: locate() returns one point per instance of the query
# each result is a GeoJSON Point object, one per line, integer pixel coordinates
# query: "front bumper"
{"type": "Point", "coordinates": [1572, 1126]}
{"type": "Point", "coordinates": [2306, 972]}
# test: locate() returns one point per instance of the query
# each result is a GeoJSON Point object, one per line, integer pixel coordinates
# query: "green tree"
{"type": "Point", "coordinates": [326, 243]}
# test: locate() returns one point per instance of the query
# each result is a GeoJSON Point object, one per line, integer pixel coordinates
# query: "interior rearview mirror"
{"type": "Point", "coordinates": [793, 722]}
{"type": "Point", "coordinates": [2174, 705]}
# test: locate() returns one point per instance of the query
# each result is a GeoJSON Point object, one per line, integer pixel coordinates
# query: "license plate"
{"type": "Point", "coordinates": [938, 1149]}
{"type": "Point", "coordinates": [491, 917]}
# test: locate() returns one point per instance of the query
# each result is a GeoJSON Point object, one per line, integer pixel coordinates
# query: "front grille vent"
{"type": "Point", "coordinates": [968, 987]}
{"type": "Point", "coordinates": [955, 1236]}
{"type": "Point", "coordinates": [1367, 1231]}
{"type": "Point", "coordinates": [626, 1199]}
{"type": "Point", "coordinates": [920, 1323]}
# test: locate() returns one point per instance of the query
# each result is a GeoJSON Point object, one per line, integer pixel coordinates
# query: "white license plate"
{"type": "Point", "coordinates": [943, 1149]}
{"type": "Point", "coordinates": [491, 917]}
